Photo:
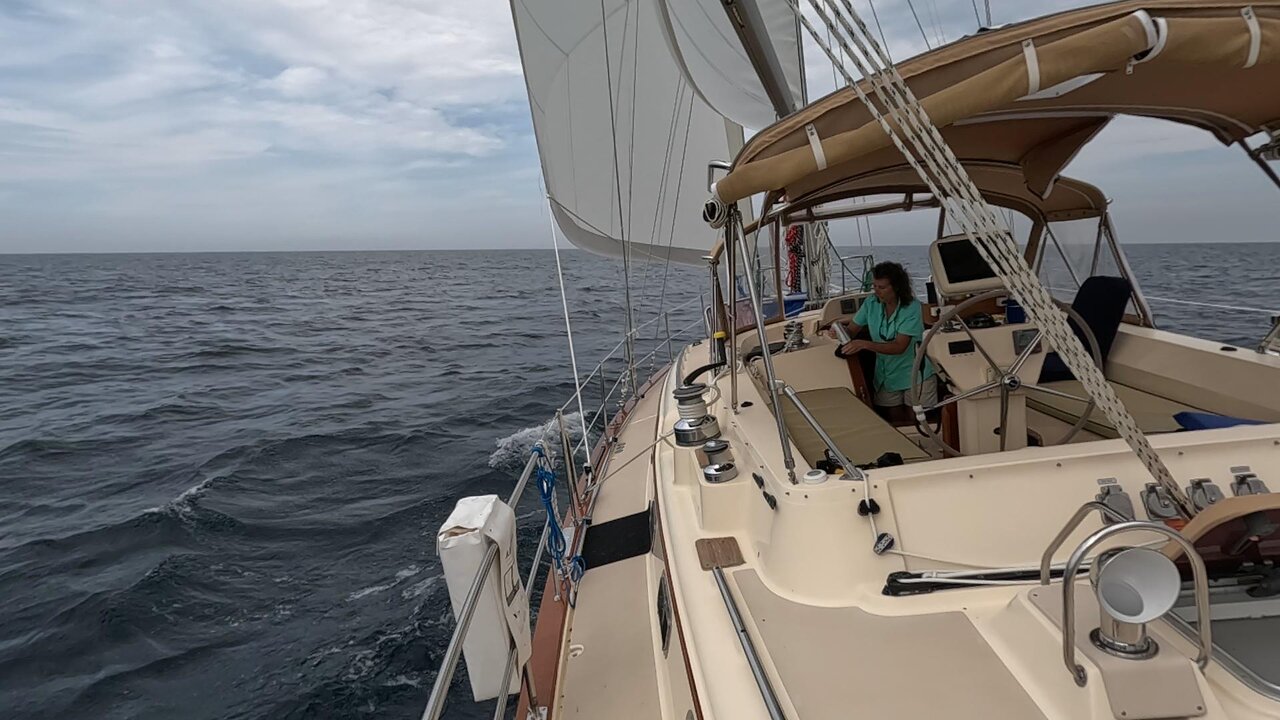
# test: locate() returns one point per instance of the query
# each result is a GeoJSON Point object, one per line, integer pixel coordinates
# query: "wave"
{"type": "Point", "coordinates": [513, 451]}
{"type": "Point", "coordinates": [400, 576]}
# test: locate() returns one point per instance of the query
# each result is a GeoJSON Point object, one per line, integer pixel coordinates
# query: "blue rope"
{"type": "Point", "coordinates": [545, 477]}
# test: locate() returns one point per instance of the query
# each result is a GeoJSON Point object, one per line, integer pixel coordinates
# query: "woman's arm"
{"type": "Point", "coordinates": [898, 346]}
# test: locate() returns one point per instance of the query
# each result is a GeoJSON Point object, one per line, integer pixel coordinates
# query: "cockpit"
{"type": "Point", "coordinates": [1001, 385]}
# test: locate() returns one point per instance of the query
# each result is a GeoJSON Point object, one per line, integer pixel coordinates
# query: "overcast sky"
{"type": "Point", "coordinates": [345, 124]}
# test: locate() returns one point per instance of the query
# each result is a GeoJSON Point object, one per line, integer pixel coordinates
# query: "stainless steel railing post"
{"type": "Point", "coordinates": [440, 689]}
{"type": "Point", "coordinates": [666, 321]}
{"type": "Point", "coordinates": [731, 303]}
{"type": "Point", "coordinates": [735, 224]}
{"type": "Point", "coordinates": [570, 468]}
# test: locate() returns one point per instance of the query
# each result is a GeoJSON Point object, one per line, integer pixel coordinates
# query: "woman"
{"type": "Point", "coordinates": [895, 321]}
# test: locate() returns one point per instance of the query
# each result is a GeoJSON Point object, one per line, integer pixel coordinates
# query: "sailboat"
{"type": "Point", "coordinates": [1082, 523]}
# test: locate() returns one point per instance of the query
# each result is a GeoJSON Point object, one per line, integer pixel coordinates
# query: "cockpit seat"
{"type": "Point", "coordinates": [1154, 414]}
{"type": "Point", "coordinates": [861, 434]}
{"type": "Point", "coordinates": [1101, 301]}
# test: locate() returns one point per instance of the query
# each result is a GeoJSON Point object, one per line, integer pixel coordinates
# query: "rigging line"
{"type": "Point", "coordinates": [631, 147]}
{"type": "Point", "coordinates": [568, 327]}
{"type": "Point", "coordinates": [976, 15]}
{"type": "Point", "coordinates": [635, 65]}
{"type": "Point", "coordinates": [672, 128]}
{"type": "Point", "coordinates": [671, 236]}
{"type": "Point", "coordinates": [617, 183]}
{"type": "Point", "coordinates": [938, 31]}
{"type": "Point", "coordinates": [918, 24]}
{"type": "Point", "coordinates": [883, 40]}
{"type": "Point", "coordinates": [988, 4]}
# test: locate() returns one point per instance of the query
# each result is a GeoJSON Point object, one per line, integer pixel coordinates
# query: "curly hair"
{"type": "Point", "coordinates": [898, 279]}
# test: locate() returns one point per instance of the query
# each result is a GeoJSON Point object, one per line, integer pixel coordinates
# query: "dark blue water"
{"type": "Point", "coordinates": [221, 475]}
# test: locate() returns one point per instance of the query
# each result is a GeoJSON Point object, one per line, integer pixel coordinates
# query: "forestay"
{"type": "Point", "coordinates": [624, 144]}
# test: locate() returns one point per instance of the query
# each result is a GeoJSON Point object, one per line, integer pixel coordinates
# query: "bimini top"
{"type": "Point", "coordinates": [1033, 94]}
{"type": "Point", "coordinates": [1001, 184]}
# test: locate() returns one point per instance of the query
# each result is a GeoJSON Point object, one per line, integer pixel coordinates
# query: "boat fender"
{"type": "Point", "coordinates": [501, 616]}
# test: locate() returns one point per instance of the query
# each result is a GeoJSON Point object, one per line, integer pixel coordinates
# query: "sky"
{"type": "Point", "coordinates": [183, 125]}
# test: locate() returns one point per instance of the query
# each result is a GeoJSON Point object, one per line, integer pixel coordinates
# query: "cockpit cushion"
{"type": "Point", "coordinates": [1207, 421]}
{"type": "Point", "coordinates": [856, 429]}
{"type": "Point", "coordinates": [1154, 414]}
{"type": "Point", "coordinates": [1101, 302]}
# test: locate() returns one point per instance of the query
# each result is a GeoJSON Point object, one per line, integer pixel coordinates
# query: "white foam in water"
{"type": "Point", "coordinates": [182, 503]}
{"type": "Point", "coordinates": [400, 575]}
{"type": "Point", "coordinates": [513, 450]}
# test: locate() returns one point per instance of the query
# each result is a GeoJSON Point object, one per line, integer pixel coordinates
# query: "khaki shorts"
{"type": "Point", "coordinates": [894, 398]}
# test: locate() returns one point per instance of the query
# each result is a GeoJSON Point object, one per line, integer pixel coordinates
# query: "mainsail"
{"type": "Point", "coordinates": [624, 143]}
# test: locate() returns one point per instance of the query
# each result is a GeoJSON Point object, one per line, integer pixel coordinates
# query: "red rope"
{"type": "Point", "coordinates": [795, 253]}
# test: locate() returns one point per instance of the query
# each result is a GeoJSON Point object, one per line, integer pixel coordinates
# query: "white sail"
{"type": "Point", "coordinates": [631, 169]}
{"type": "Point", "coordinates": [713, 58]}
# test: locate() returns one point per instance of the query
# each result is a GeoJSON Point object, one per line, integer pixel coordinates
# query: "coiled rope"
{"type": "Point", "coordinates": [544, 476]}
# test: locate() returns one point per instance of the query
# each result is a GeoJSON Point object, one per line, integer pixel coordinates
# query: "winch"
{"type": "Point", "coordinates": [717, 451]}
{"type": "Point", "coordinates": [695, 425]}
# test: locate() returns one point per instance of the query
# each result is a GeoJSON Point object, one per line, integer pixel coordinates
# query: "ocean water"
{"type": "Point", "coordinates": [221, 474]}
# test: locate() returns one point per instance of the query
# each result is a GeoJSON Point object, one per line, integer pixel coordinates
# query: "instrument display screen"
{"type": "Point", "coordinates": [962, 261]}
{"type": "Point", "coordinates": [1023, 338]}
{"type": "Point", "coordinates": [960, 347]}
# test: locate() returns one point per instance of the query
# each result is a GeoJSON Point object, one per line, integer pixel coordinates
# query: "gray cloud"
{"type": "Point", "coordinates": [281, 124]}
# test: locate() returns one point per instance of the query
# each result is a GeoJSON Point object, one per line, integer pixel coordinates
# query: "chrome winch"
{"type": "Point", "coordinates": [696, 425]}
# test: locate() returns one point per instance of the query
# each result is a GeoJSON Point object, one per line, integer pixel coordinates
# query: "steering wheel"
{"type": "Point", "coordinates": [1007, 381]}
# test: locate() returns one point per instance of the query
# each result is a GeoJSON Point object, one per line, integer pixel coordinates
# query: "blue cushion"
{"type": "Point", "coordinates": [1207, 421]}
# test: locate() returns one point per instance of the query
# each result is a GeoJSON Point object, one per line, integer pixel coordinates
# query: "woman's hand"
{"type": "Point", "coordinates": [853, 346]}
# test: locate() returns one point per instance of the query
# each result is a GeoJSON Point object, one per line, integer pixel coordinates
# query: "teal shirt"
{"type": "Point", "coordinates": [893, 372]}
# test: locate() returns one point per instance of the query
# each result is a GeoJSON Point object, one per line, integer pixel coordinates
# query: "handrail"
{"type": "Point", "coordinates": [1046, 560]}
{"type": "Point", "coordinates": [1199, 576]}
{"type": "Point", "coordinates": [466, 612]}
{"type": "Point", "coordinates": [613, 352]}
{"type": "Point", "coordinates": [748, 648]}
{"type": "Point", "coordinates": [853, 471]}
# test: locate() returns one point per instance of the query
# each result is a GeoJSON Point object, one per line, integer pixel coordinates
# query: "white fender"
{"type": "Point", "coordinates": [502, 611]}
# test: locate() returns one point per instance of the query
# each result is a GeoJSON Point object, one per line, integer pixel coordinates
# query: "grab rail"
{"type": "Point", "coordinates": [748, 648]}
{"type": "Point", "coordinates": [853, 471]}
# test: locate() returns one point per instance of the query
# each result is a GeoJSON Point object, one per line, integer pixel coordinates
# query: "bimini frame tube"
{"type": "Point", "coordinates": [735, 228]}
